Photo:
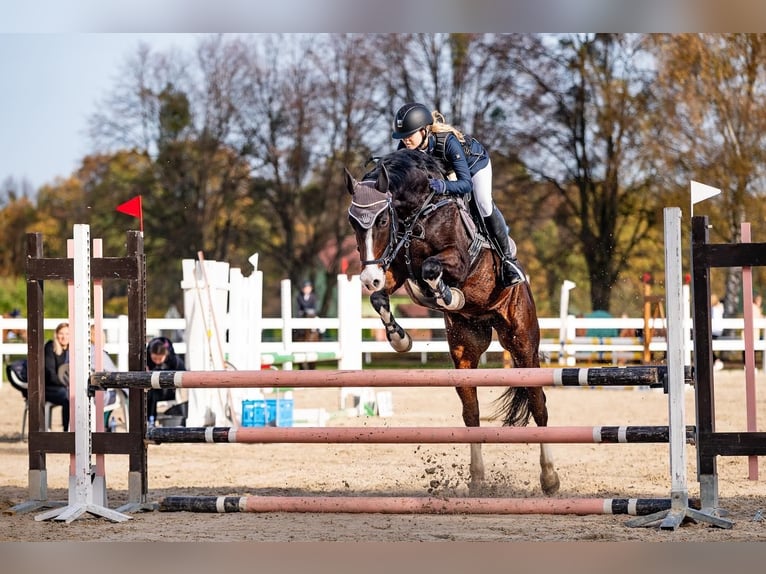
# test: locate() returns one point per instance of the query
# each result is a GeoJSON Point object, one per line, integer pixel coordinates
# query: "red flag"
{"type": "Point", "coordinates": [134, 208]}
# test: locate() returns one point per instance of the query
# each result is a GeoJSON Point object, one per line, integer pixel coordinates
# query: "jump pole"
{"type": "Point", "coordinates": [417, 435]}
{"type": "Point", "coordinates": [414, 505]}
{"type": "Point", "coordinates": [653, 376]}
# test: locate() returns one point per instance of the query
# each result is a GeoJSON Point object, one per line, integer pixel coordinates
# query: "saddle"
{"type": "Point", "coordinates": [474, 226]}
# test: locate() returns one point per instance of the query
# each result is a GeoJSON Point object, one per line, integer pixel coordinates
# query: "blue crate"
{"type": "Point", "coordinates": [263, 412]}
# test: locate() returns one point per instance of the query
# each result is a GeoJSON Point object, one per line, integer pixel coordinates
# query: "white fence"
{"type": "Point", "coordinates": [356, 338]}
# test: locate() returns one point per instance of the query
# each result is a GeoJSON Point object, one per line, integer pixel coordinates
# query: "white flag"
{"type": "Point", "coordinates": [701, 192]}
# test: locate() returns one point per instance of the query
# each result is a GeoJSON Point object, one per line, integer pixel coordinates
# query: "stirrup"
{"type": "Point", "coordinates": [511, 273]}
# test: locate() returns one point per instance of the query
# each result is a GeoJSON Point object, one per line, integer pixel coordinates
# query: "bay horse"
{"type": "Point", "coordinates": [407, 235]}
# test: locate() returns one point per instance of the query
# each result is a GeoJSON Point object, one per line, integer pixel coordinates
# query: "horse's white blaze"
{"type": "Point", "coordinates": [372, 276]}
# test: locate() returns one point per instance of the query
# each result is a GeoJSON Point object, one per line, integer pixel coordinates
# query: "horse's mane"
{"type": "Point", "coordinates": [406, 167]}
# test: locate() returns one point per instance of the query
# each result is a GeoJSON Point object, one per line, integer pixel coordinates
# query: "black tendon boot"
{"type": "Point", "coordinates": [511, 272]}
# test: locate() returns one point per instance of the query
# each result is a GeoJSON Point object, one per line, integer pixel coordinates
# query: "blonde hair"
{"type": "Point", "coordinates": [57, 348]}
{"type": "Point", "coordinates": [440, 125]}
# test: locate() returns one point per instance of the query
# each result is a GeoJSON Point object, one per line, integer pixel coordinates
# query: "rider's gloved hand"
{"type": "Point", "coordinates": [438, 185]}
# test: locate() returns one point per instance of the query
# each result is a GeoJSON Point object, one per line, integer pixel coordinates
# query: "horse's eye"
{"type": "Point", "coordinates": [382, 221]}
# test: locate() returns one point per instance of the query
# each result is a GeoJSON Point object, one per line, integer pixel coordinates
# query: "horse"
{"type": "Point", "coordinates": [407, 235]}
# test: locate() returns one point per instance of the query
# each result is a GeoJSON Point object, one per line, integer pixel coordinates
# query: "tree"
{"type": "Point", "coordinates": [17, 216]}
{"type": "Point", "coordinates": [183, 115]}
{"type": "Point", "coordinates": [578, 125]}
{"type": "Point", "coordinates": [714, 106]}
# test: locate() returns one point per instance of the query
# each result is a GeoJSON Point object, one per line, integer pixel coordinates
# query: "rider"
{"type": "Point", "coordinates": [418, 128]}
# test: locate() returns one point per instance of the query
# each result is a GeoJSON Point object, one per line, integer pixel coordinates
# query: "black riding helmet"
{"type": "Point", "coordinates": [409, 119]}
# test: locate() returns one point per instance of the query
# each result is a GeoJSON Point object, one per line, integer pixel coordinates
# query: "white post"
{"type": "Point", "coordinates": [349, 313]}
{"type": "Point", "coordinates": [238, 351]}
{"type": "Point", "coordinates": [254, 291]}
{"type": "Point", "coordinates": [79, 364]}
{"type": "Point", "coordinates": [566, 287]}
{"type": "Point", "coordinates": [675, 359]}
{"type": "Point", "coordinates": [287, 321]}
{"type": "Point", "coordinates": [350, 334]}
{"type": "Point", "coordinates": [122, 338]}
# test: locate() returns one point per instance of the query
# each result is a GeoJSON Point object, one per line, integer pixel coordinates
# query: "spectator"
{"type": "Point", "coordinates": [160, 356]}
{"type": "Point", "coordinates": [56, 354]}
{"type": "Point", "coordinates": [306, 305]}
{"type": "Point", "coordinates": [306, 300]}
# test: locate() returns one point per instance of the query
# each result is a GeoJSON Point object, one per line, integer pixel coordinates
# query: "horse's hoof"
{"type": "Point", "coordinates": [402, 345]}
{"type": "Point", "coordinates": [457, 303]}
{"type": "Point", "coordinates": [550, 483]}
{"type": "Point", "coordinates": [476, 487]}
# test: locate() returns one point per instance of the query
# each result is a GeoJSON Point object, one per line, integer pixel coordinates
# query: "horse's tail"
{"type": "Point", "coordinates": [513, 407]}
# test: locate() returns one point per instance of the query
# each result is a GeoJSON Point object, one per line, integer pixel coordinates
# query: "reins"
{"type": "Point", "coordinates": [394, 245]}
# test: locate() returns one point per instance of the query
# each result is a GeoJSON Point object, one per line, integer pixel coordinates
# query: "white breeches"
{"type": "Point", "coordinates": [482, 190]}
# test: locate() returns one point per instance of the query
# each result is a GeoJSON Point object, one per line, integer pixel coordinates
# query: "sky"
{"type": "Point", "coordinates": [50, 85]}
{"type": "Point", "coordinates": [59, 58]}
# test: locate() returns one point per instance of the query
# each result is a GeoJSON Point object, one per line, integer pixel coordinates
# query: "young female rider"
{"type": "Point", "coordinates": [418, 128]}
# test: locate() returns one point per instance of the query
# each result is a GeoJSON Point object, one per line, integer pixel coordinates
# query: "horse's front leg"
{"type": "Point", "coordinates": [450, 298]}
{"type": "Point", "coordinates": [399, 339]}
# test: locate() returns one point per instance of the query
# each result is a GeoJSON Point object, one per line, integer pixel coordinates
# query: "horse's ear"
{"type": "Point", "coordinates": [350, 181]}
{"type": "Point", "coordinates": [382, 183]}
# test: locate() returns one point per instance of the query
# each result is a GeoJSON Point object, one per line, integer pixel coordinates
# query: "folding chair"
{"type": "Point", "coordinates": [23, 387]}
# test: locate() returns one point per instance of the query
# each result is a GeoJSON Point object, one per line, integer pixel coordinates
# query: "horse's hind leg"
{"type": "Point", "coordinates": [469, 398]}
{"type": "Point", "coordinates": [523, 343]}
{"type": "Point", "coordinates": [467, 343]}
{"type": "Point", "coordinates": [549, 478]}
{"type": "Point", "coordinates": [398, 338]}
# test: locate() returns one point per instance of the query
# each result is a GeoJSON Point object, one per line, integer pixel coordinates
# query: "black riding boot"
{"type": "Point", "coordinates": [511, 272]}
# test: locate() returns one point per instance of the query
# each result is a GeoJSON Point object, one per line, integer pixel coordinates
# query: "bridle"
{"type": "Point", "coordinates": [367, 213]}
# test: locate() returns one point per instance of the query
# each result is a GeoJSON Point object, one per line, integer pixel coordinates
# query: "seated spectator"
{"type": "Point", "coordinates": [56, 354]}
{"type": "Point", "coordinates": [160, 356]}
